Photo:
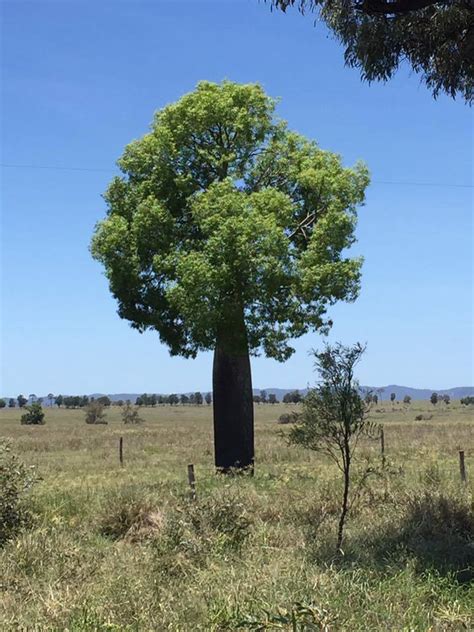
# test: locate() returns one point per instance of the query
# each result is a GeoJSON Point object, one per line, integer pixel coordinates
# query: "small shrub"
{"type": "Point", "coordinates": [15, 481]}
{"type": "Point", "coordinates": [196, 531]}
{"type": "Point", "coordinates": [289, 418]}
{"type": "Point", "coordinates": [95, 413]}
{"type": "Point", "coordinates": [34, 415]}
{"type": "Point", "coordinates": [129, 517]}
{"type": "Point", "coordinates": [130, 414]}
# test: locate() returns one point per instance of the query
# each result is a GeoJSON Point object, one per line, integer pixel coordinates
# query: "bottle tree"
{"type": "Point", "coordinates": [228, 232]}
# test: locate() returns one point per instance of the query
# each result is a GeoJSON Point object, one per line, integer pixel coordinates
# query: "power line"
{"type": "Point", "coordinates": [10, 166]}
{"type": "Point", "coordinates": [102, 170]}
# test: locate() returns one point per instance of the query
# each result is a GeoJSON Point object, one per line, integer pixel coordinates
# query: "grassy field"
{"type": "Point", "coordinates": [124, 548]}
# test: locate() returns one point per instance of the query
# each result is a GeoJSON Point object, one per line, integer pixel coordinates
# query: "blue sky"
{"type": "Point", "coordinates": [81, 79]}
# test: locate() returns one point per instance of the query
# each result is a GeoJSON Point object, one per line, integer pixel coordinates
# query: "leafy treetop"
{"type": "Point", "coordinates": [223, 212]}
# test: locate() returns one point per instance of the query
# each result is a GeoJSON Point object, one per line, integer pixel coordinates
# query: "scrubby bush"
{"type": "Point", "coordinates": [423, 417]}
{"type": "Point", "coordinates": [127, 516]}
{"type": "Point", "coordinates": [95, 413]}
{"type": "Point", "coordinates": [130, 414]}
{"type": "Point", "coordinates": [438, 530]}
{"type": "Point", "coordinates": [288, 418]}
{"type": "Point", "coordinates": [34, 415]}
{"type": "Point", "coordinates": [194, 532]}
{"type": "Point", "coordinates": [15, 481]}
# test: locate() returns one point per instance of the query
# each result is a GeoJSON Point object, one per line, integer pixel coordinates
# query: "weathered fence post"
{"type": "Point", "coordinates": [462, 466]}
{"type": "Point", "coordinates": [121, 450]}
{"type": "Point", "coordinates": [382, 446]}
{"type": "Point", "coordinates": [192, 481]}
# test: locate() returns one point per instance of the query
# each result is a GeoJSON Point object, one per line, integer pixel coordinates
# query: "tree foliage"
{"type": "Point", "coordinates": [435, 37]}
{"type": "Point", "coordinates": [221, 208]}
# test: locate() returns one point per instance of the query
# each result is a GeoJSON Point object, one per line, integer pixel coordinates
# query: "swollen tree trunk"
{"type": "Point", "coordinates": [233, 400]}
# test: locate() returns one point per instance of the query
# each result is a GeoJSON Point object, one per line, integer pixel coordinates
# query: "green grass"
{"type": "Point", "coordinates": [116, 548]}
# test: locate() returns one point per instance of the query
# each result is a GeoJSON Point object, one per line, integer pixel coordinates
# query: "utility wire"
{"type": "Point", "coordinates": [101, 170]}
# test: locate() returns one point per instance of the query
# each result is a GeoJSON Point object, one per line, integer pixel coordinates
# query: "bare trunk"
{"type": "Point", "coordinates": [345, 506]}
{"type": "Point", "coordinates": [233, 400]}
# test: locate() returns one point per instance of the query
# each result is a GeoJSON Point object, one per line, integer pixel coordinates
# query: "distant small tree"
{"type": "Point", "coordinates": [139, 401]}
{"type": "Point", "coordinates": [198, 398]}
{"type": "Point", "coordinates": [407, 400]}
{"type": "Point", "coordinates": [3, 403]}
{"type": "Point", "coordinates": [22, 401]}
{"type": "Point", "coordinates": [95, 413]}
{"type": "Point", "coordinates": [272, 398]}
{"type": "Point", "coordinates": [446, 399]}
{"type": "Point", "coordinates": [173, 399]}
{"type": "Point", "coordinates": [392, 397]}
{"type": "Point", "coordinates": [467, 401]}
{"type": "Point", "coordinates": [59, 401]}
{"type": "Point", "coordinates": [11, 403]}
{"type": "Point", "coordinates": [32, 397]}
{"type": "Point", "coordinates": [153, 400]}
{"type": "Point", "coordinates": [375, 399]}
{"type": "Point", "coordinates": [335, 416]}
{"type": "Point", "coordinates": [434, 398]}
{"type": "Point", "coordinates": [130, 414]}
{"type": "Point", "coordinates": [296, 397]}
{"type": "Point", "coordinates": [263, 397]}
{"type": "Point", "coordinates": [208, 399]}
{"type": "Point", "coordinates": [51, 399]}
{"type": "Point", "coordinates": [184, 399]}
{"type": "Point", "coordinates": [34, 415]}
{"type": "Point", "coordinates": [104, 400]}
{"type": "Point", "coordinates": [293, 397]}
{"type": "Point", "coordinates": [257, 399]}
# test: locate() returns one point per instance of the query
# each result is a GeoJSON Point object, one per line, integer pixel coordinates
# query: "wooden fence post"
{"type": "Point", "coordinates": [121, 451]}
{"type": "Point", "coordinates": [192, 481]}
{"type": "Point", "coordinates": [462, 466]}
{"type": "Point", "coordinates": [382, 446]}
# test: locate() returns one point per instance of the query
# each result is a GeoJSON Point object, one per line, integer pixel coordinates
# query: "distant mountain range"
{"type": "Point", "coordinates": [383, 392]}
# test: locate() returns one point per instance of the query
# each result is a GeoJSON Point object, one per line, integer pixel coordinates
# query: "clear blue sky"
{"type": "Point", "coordinates": [81, 79]}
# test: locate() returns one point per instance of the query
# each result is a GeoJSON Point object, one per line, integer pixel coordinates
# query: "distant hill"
{"type": "Point", "coordinates": [383, 393]}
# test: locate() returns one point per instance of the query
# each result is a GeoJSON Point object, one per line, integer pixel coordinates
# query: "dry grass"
{"type": "Point", "coordinates": [124, 549]}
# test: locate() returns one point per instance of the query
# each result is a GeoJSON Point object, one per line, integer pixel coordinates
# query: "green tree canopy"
{"type": "Point", "coordinates": [228, 230]}
{"type": "Point", "coordinates": [435, 37]}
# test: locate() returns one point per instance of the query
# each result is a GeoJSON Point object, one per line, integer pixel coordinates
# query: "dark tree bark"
{"type": "Point", "coordinates": [345, 498]}
{"type": "Point", "coordinates": [233, 400]}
